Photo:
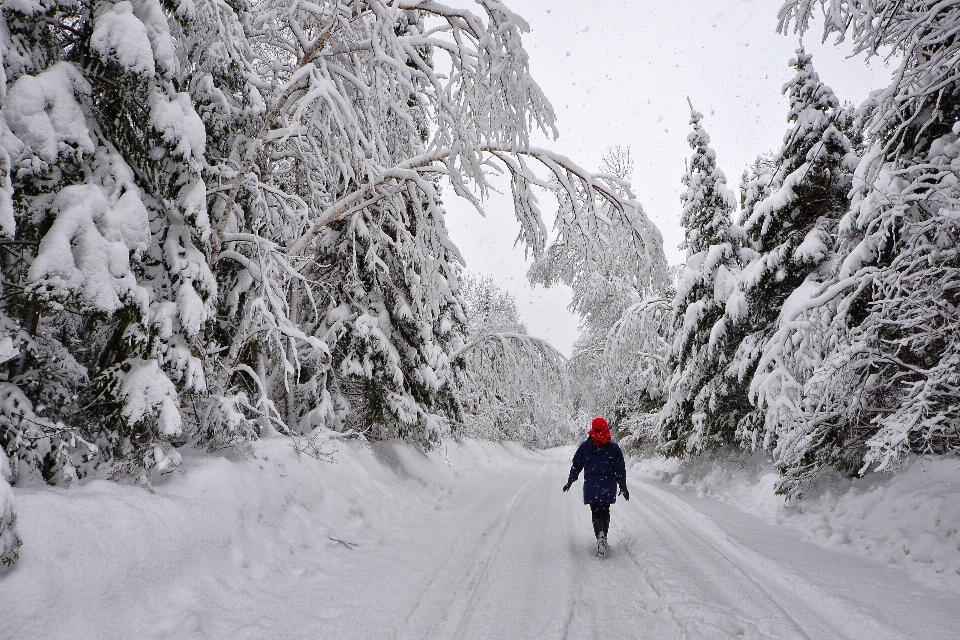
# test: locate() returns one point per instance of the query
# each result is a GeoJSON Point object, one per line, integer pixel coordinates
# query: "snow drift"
{"type": "Point", "coordinates": [228, 546]}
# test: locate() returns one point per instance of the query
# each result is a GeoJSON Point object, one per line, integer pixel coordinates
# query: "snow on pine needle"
{"type": "Point", "coordinates": [858, 373]}
{"type": "Point", "coordinates": [791, 213]}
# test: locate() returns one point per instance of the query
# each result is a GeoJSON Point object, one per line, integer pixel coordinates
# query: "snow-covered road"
{"type": "Point", "coordinates": [438, 550]}
{"type": "Point", "coordinates": [510, 556]}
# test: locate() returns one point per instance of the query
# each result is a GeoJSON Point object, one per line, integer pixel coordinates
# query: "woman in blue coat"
{"type": "Point", "coordinates": [603, 470]}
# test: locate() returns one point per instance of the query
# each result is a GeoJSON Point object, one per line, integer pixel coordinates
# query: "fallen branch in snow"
{"type": "Point", "coordinates": [348, 545]}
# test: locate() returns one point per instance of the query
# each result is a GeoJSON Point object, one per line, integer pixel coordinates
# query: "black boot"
{"type": "Point", "coordinates": [597, 517]}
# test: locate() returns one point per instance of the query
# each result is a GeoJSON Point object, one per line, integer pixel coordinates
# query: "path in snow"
{"type": "Point", "coordinates": [511, 557]}
{"type": "Point", "coordinates": [481, 546]}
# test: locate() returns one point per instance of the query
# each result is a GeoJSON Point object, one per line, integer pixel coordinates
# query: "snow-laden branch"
{"type": "Point", "coordinates": [504, 339]}
{"type": "Point", "coordinates": [571, 177]}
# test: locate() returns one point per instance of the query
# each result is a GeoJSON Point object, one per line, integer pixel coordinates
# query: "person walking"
{"type": "Point", "coordinates": [601, 460]}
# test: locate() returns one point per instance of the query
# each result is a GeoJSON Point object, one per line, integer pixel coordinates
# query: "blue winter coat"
{"type": "Point", "coordinates": [603, 469]}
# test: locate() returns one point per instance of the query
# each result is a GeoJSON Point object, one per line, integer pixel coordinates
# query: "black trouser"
{"type": "Point", "coordinates": [601, 518]}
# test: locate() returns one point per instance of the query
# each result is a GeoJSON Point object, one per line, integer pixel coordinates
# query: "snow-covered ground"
{"type": "Point", "coordinates": [469, 541]}
{"type": "Point", "coordinates": [910, 520]}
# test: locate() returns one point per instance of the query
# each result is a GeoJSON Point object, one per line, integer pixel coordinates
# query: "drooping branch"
{"type": "Point", "coordinates": [571, 177]}
{"type": "Point", "coordinates": [504, 339]}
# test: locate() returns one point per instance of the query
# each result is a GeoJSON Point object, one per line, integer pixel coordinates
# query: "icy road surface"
{"type": "Point", "coordinates": [433, 549]}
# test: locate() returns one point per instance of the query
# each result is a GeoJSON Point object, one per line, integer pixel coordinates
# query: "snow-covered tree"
{"type": "Point", "coordinates": [513, 387]}
{"type": "Point", "coordinates": [106, 155]}
{"type": "Point", "coordinates": [861, 370]}
{"type": "Point", "coordinates": [224, 219]}
{"type": "Point", "coordinates": [634, 374]}
{"type": "Point", "coordinates": [510, 386]}
{"type": "Point", "coordinates": [791, 205]}
{"type": "Point", "coordinates": [700, 412]}
{"type": "Point", "coordinates": [365, 166]}
{"type": "Point", "coordinates": [628, 266]}
{"type": "Point", "coordinates": [608, 259]}
{"type": "Point", "coordinates": [488, 308]}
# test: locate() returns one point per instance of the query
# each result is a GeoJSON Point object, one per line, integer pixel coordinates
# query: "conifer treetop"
{"type": "Point", "coordinates": [707, 201]}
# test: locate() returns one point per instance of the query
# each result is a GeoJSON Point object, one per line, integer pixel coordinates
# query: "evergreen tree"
{"type": "Point", "coordinates": [109, 201]}
{"type": "Point", "coordinates": [697, 414]}
{"type": "Point", "coordinates": [791, 205]}
{"type": "Point", "coordinates": [863, 369]}
{"type": "Point", "coordinates": [393, 317]}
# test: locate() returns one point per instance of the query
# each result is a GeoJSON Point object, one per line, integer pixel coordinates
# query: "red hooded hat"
{"type": "Point", "coordinates": [599, 432]}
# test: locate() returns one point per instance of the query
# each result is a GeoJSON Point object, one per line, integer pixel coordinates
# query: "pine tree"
{"type": "Point", "coordinates": [792, 203]}
{"type": "Point", "coordinates": [698, 415]}
{"type": "Point", "coordinates": [108, 197]}
{"type": "Point", "coordinates": [392, 319]}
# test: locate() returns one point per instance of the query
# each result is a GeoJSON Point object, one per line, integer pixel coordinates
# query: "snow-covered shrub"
{"type": "Point", "coordinates": [32, 443]}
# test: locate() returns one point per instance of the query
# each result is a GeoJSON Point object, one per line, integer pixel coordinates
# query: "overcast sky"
{"type": "Point", "coordinates": [619, 73]}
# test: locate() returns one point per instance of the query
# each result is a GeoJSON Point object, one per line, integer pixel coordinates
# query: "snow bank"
{"type": "Point", "coordinates": [910, 520]}
{"type": "Point", "coordinates": [224, 539]}
{"type": "Point", "coordinates": [9, 540]}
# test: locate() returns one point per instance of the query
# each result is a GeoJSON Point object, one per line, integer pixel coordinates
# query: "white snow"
{"type": "Point", "coordinates": [724, 283]}
{"type": "Point", "coordinates": [910, 521]}
{"type": "Point", "coordinates": [154, 21]}
{"type": "Point", "coordinates": [192, 311]}
{"type": "Point", "coordinates": [87, 250]}
{"type": "Point", "coordinates": [8, 350]}
{"type": "Point", "coordinates": [194, 199]}
{"type": "Point", "coordinates": [8, 223]}
{"type": "Point", "coordinates": [43, 113]}
{"type": "Point", "coordinates": [148, 391]}
{"type": "Point", "coordinates": [120, 35]}
{"type": "Point", "coordinates": [179, 123]}
{"type": "Point", "coordinates": [814, 247]}
{"type": "Point", "coordinates": [469, 541]}
{"type": "Point", "coordinates": [9, 540]}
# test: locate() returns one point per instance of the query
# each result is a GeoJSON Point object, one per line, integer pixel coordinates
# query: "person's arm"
{"type": "Point", "coordinates": [620, 472]}
{"type": "Point", "coordinates": [575, 468]}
